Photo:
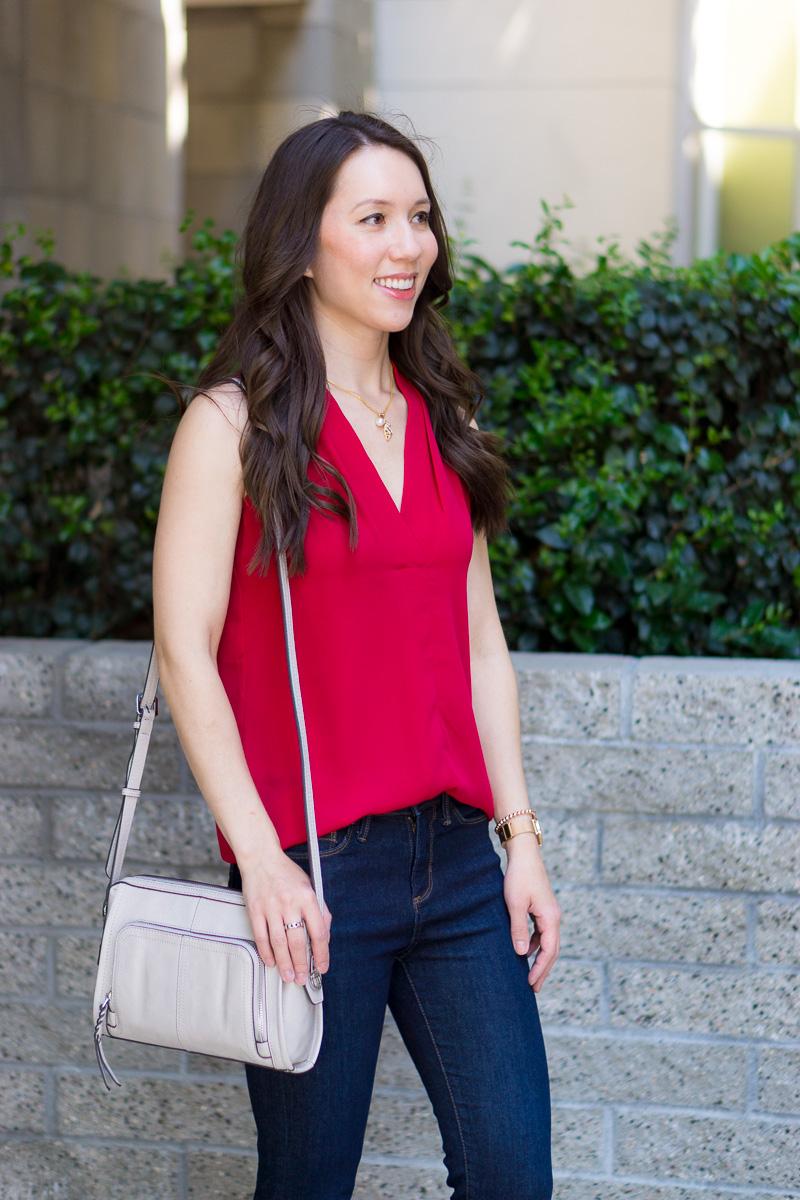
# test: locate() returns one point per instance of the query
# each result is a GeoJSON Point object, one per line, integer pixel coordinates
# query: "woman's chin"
{"type": "Point", "coordinates": [395, 322]}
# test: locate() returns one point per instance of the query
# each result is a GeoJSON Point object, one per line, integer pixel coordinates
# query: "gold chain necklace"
{"type": "Point", "coordinates": [380, 417]}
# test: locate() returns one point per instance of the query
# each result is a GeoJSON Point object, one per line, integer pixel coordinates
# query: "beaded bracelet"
{"type": "Point", "coordinates": [521, 812]}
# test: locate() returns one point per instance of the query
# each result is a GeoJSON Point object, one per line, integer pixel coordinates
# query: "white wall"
{"type": "Point", "coordinates": [538, 99]}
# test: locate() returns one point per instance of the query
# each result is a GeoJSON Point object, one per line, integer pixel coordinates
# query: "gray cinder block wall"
{"type": "Point", "coordinates": [669, 793]}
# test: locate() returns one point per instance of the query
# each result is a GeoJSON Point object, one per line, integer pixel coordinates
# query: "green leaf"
{"type": "Point", "coordinates": [580, 596]}
{"type": "Point", "coordinates": [550, 536]}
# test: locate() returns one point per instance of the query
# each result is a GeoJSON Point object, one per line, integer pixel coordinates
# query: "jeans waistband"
{"type": "Point", "coordinates": [362, 826]}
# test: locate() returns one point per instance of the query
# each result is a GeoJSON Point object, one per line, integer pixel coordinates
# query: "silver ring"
{"type": "Point", "coordinates": [294, 925]}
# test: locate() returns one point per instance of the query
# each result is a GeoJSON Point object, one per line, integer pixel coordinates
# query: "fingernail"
{"type": "Point", "coordinates": [300, 978]}
{"type": "Point", "coordinates": [520, 947]}
{"type": "Point", "coordinates": [288, 976]}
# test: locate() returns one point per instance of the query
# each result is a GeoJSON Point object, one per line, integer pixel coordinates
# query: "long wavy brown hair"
{"type": "Point", "coordinates": [272, 345]}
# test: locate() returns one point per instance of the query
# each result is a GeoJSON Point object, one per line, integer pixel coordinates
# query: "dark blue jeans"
{"type": "Point", "coordinates": [420, 924]}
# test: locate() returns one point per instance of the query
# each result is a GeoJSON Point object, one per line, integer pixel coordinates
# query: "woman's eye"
{"type": "Point", "coordinates": [372, 219]}
{"type": "Point", "coordinates": [422, 217]}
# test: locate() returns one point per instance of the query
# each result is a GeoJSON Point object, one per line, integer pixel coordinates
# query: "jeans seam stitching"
{"type": "Point", "coordinates": [462, 820]}
{"type": "Point", "coordinates": [444, 1075]}
{"type": "Point", "coordinates": [326, 853]}
{"type": "Point", "coordinates": [419, 899]}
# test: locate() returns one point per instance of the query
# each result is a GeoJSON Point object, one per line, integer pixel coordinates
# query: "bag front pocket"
{"type": "Point", "coordinates": [188, 991]}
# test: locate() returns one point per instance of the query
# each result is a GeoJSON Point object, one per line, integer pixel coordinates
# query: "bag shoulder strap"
{"type": "Point", "coordinates": [146, 712]}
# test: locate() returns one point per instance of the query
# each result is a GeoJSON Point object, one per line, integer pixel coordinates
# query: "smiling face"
{"type": "Point", "coordinates": [375, 245]}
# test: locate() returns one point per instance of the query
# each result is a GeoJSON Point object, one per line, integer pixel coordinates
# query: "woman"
{"type": "Point", "coordinates": [385, 492]}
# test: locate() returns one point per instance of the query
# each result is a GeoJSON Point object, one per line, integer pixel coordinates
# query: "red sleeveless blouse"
{"type": "Point", "coordinates": [382, 645]}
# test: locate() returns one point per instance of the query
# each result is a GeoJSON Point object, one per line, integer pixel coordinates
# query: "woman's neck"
{"type": "Point", "coordinates": [360, 363]}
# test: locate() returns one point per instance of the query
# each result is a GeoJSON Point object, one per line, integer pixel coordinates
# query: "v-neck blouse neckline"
{"type": "Point", "coordinates": [400, 508]}
{"type": "Point", "coordinates": [382, 638]}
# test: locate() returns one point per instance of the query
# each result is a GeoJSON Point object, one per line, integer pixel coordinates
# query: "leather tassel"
{"type": "Point", "coordinates": [106, 1071]}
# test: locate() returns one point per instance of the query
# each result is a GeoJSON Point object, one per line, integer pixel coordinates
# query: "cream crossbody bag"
{"type": "Point", "coordinates": [178, 964]}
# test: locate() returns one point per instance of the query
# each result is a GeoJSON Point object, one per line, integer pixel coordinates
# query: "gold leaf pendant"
{"type": "Point", "coordinates": [383, 424]}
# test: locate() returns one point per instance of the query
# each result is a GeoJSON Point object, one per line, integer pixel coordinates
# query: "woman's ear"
{"type": "Point", "coordinates": [308, 273]}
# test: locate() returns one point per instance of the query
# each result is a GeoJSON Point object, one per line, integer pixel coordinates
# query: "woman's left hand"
{"type": "Point", "coordinates": [527, 890]}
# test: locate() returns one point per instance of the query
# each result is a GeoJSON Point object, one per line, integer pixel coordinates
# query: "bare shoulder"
{"type": "Point", "coordinates": [217, 407]}
{"type": "Point", "coordinates": [208, 438]}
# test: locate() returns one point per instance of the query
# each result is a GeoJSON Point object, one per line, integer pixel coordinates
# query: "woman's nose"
{"type": "Point", "coordinates": [406, 244]}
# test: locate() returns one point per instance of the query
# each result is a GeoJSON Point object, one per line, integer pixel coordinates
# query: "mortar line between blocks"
{"type": "Point", "coordinates": [97, 1141]}
{"type": "Point", "coordinates": [626, 701]}
{"type": "Point", "coordinates": [598, 851]}
{"type": "Point", "coordinates": [50, 971]}
{"type": "Point", "coordinates": [657, 1037]}
{"type": "Point", "coordinates": [50, 1103]}
{"type": "Point", "coordinates": [751, 922]}
{"type": "Point", "coordinates": [183, 1176]}
{"type": "Point", "coordinates": [45, 806]}
{"type": "Point", "coordinates": [751, 1094]}
{"type": "Point", "coordinates": [679, 1186]}
{"type": "Point", "coordinates": [759, 785]}
{"type": "Point", "coordinates": [694, 1112]}
{"type": "Point", "coordinates": [584, 741]}
{"type": "Point", "coordinates": [57, 698]}
{"type": "Point", "coordinates": [609, 1139]}
{"type": "Point", "coordinates": [401, 1160]}
{"type": "Point", "coordinates": [605, 996]}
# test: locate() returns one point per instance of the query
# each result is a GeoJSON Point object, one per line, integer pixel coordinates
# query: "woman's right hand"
{"type": "Point", "coordinates": [278, 893]}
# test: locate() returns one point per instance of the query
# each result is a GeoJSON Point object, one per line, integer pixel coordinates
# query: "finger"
{"type": "Point", "coordinates": [280, 948]}
{"type": "Point", "coordinates": [328, 919]}
{"type": "Point", "coordinates": [298, 948]}
{"type": "Point", "coordinates": [317, 926]}
{"type": "Point", "coordinates": [548, 953]}
{"type": "Point", "coordinates": [261, 938]}
{"type": "Point", "coordinates": [520, 935]}
{"type": "Point", "coordinates": [540, 970]}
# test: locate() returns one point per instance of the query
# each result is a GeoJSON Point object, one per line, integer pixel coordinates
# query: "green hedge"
{"type": "Point", "coordinates": [85, 426]}
{"type": "Point", "coordinates": [652, 417]}
{"type": "Point", "coordinates": [651, 414]}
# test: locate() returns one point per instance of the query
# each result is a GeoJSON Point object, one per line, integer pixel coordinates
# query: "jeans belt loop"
{"type": "Point", "coordinates": [362, 833]}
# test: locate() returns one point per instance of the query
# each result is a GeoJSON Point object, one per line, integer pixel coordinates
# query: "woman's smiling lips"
{"type": "Point", "coordinates": [400, 287]}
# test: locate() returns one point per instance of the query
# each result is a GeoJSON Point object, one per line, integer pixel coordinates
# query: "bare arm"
{"type": "Point", "coordinates": [197, 528]}
{"type": "Point", "coordinates": [495, 703]}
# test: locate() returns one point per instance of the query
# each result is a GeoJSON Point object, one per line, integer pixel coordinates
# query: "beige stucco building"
{"type": "Point", "coordinates": [119, 115]}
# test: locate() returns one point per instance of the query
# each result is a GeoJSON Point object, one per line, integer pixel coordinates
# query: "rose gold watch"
{"type": "Point", "coordinates": [515, 823]}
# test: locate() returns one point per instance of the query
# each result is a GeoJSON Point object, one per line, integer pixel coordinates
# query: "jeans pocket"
{"type": "Point", "coordinates": [467, 814]}
{"type": "Point", "coordinates": [329, 844]}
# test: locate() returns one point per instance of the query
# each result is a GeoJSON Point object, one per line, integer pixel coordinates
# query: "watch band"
{"type": "Point", "coordinates": [516, 823]}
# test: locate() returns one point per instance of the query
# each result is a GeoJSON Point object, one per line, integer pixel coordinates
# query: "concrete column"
{"type": "Point", "coordinates": [530, 100]}
{"type": "Point", "coordinates": [84, 148]}
{"type": "Point", "coordinates": [254, 73]}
